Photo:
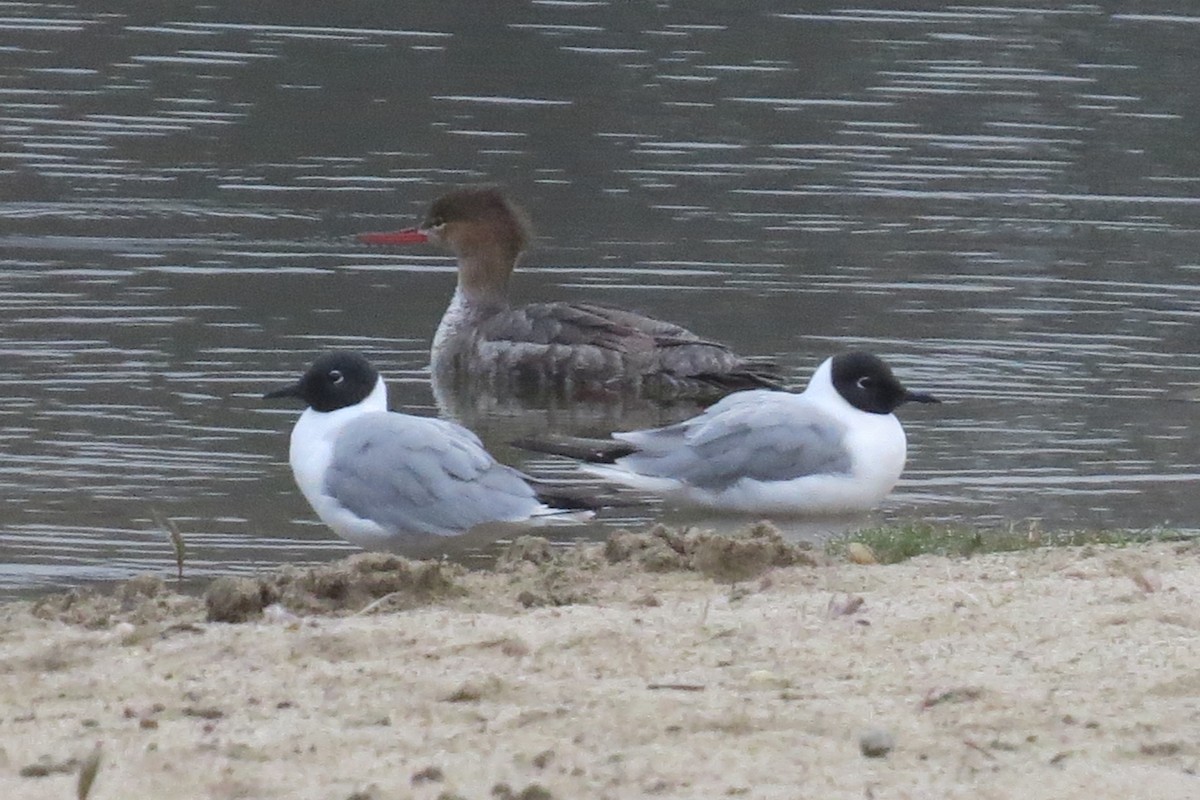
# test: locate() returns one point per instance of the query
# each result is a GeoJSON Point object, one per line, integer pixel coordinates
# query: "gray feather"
{"type": "Point", "coordinates": [747, 435]}
{"type": "Point", "coordinates": [418, 475]}
{"type": "Point", "coordinates": [592, 343]}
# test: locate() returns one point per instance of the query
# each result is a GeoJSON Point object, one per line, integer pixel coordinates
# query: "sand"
{"type": "Point", "coordinates": [636, 670]}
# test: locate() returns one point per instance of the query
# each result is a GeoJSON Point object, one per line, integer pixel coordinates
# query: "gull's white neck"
{"type": "Point", "coordinates": [311, 447]}
{"type": "Point", "coordinates": [876, 442]}
{"type": "Point", "coordinates": [820, 388]}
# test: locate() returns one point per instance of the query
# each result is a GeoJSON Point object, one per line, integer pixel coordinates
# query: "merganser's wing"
{"type": "Point", "coordinates": [662, 332]}
{"type": "Point", "coordinates": [647, 346]}
{"type": "Point", "coordinates": [682, 353]}
{"type": "Point", "coordinates": [759, 435]}
{"type": "Point", "coordinates": [569, 324]}
{"type": "Point", "coordinates": [420, 475]}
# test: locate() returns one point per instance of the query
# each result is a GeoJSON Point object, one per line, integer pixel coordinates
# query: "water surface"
{"type": "Point", "coordinates": [1001, 201]}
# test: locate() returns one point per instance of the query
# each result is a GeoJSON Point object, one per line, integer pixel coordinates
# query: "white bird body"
{"type": "Point", "coordinates": [310, 453]}
{"type": "Point", "coordinates": [766, 451]}
{"type": "Point", "coordinates": [380, 479]}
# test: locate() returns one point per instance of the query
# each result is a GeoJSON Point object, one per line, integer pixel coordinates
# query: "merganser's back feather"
{"type": "Point", "coordinates": [605, 345]}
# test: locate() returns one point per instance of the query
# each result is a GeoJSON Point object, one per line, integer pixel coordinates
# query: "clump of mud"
{"type": "Point", "coordinates": [139, 601]}
{"type": "Point", "coordinates": [525, 550]}
{"type": "Point", "coordinates": [535, 572]}
{"type": "Point", "coordinates": [544, 575]}
{"type": "Point", "coordinates": [233, 599]}
{"type": "Point", "coordinates": [727, 558]}
{"type": "Point", "coordinates": [348, 585]}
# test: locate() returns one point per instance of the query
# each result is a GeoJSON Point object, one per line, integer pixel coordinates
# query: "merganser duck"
{"type": "Point", "coordinates": [559, 345]}
{"type": "Point", "coordinates": [834, 448]}
{"type": "Point", "coordinates": [380, 479]}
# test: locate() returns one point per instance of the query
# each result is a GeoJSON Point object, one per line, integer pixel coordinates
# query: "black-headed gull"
{"type": "Point", "coordinates": [836, 447]}
{"type": "Point", "coordinates": [381, 479]}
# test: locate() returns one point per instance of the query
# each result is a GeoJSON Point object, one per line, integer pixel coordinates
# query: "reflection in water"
{"type": "Point", "coordinates": [1002, 202]}
{"type": "Point", "coordinates": [477, 406]}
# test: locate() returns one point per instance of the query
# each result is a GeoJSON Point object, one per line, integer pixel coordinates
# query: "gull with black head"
{"type": "Point", "coordinates": [383, 480]}
{"type": "Point", "coordinates": [834, 448]}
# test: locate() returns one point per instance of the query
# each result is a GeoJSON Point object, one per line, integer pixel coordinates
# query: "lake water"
{"type": "Point", "coordinates": [1002, 201]}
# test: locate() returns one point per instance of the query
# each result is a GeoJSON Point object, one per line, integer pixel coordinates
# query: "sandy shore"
{"type": "Point", "coordinates": [626, 672]}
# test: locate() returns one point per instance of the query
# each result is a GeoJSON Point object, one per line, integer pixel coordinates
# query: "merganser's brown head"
{"type": "Point", "coordinates": [485, 230]}
{"type": "Point", "coordinates": [477, 218]}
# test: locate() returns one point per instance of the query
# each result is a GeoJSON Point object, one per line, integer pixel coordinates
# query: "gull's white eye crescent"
{"type": "Point", "coordinates": [864, 382]}
{"type": "Point", "coordinates": [336, 376]}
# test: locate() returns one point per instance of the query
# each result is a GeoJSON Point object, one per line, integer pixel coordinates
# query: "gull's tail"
{"type": "Point", "coordinates": [579, 497]}
{"type": "Point", "coordinates": [592, 451]}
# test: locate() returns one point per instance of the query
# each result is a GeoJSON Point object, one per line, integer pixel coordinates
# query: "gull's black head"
{"type": "Point", "coordinates": [335, 380]}
{"type": "Point", "coordinates": [867, 383]}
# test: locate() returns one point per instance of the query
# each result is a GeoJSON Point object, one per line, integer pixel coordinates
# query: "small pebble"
{"type": "Point", "coordinates": [766, 679]}
{"type": "Point", "coordinates": [534, 791]}
{"type": "Point", "coordinates": [876, 743]}
{"type": "Point", "coordinates": [431, 774]}
{"type": "Point", "coordinates": [861, 553]}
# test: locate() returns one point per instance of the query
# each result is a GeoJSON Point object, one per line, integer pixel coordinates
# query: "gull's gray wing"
{"type": "Point", "coordinates": [762, 435]}
{"type": "Point", "coordinates": [423, 476]}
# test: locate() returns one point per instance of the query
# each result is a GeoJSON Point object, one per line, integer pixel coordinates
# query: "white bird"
{"type": "Point", "coordinates": [836, 447]}
{"type": "Point", "coordinates": [381, 479]}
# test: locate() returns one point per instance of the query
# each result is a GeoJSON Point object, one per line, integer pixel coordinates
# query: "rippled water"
{"type": "Point", "coordinates": [1003, 201]}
